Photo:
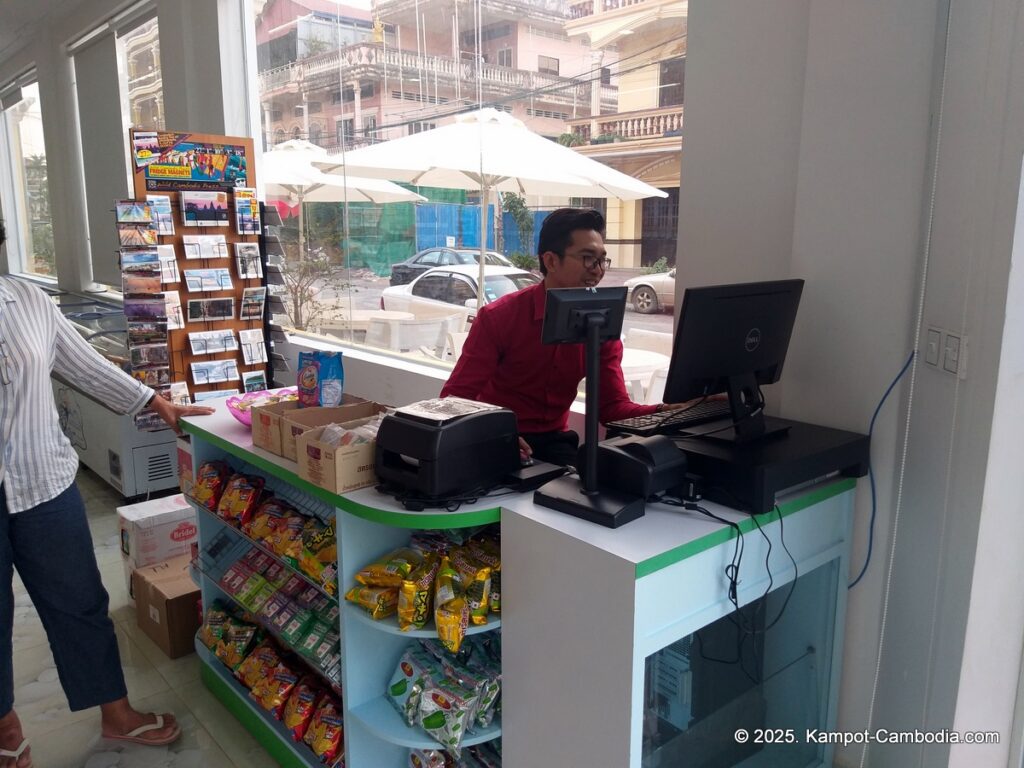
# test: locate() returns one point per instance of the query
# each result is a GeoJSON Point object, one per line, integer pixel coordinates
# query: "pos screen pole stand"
{"type": "Point", "coordinates": [590, 315]}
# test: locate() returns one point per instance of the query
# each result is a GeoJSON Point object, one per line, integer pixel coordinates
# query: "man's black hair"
{"type": "Point", "coordinates": [556, 232]}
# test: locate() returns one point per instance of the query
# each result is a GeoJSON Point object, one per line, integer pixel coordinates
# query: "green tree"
{"type": "Point", "coordinates": [570, 140]}
{"type": "Point", "coordinates": [523, 217]}
{"type": "Point", "coordinates": [38, 203]}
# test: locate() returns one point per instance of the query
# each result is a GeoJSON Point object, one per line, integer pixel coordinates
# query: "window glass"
{"type": "Point", "coordinates": [462, 291]}
{"type": "Point", "coordinates": [496, 286]}
{"type": "Point", "coordinates": [448, 258]}
{"type": "Point", "coordinates": [432, 287]}
{"type": "Point", "coordinates": [27, 212]}
{"type": "Point", "coordinates": [429, 259]}
{"type": "Point", "coordinates": [139, 54]}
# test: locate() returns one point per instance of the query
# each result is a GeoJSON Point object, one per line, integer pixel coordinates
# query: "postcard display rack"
{"type": "Point", "coordinates": [191, 268]}
{"type": "Point", "coordinates": [367, 525]}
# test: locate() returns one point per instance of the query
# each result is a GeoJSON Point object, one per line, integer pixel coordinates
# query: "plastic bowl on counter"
{"type": "Point", "coordinates": [241, 405]}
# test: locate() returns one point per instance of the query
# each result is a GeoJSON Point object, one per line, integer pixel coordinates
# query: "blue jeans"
{"type": "Point", "coordinates": [51, 547]}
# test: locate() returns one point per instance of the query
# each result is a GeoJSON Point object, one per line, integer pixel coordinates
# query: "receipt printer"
{"type": "Point", "coordinates": [639, 466]}
{"type": "Point", "coordinates": [448, 456]}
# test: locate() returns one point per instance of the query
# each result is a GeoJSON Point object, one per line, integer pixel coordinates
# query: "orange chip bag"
{"type": "Point", "coordinates": [286, 541]}
{"type": "Point", "coordinates": [298, 712]}
{"type": "Point", "coordinates": [324, 735]}
{"type": "Point", "coordinates": [266, 519]}
{"type": "Point", "coordinates": [257, 663]}
{"type": "Point", "coordinates": [272, 689]}
{"type": "Point", "coordinates": [210, 483]}
{"type": "Point", "coordinates": [240, 497]}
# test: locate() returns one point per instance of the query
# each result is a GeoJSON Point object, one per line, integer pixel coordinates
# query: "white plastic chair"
{"type": "Point", "coordinates": [656, 387]}
{"type": "Point", "coordinates": [653, 341]}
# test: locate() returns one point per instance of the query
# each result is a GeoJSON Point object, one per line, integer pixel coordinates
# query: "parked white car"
{"type": "Point", "coordinates": [651, 293]}
{"type": "Point", "coordinates": [454, 288]}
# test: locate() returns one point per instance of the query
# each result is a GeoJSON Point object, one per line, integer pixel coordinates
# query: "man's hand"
{"type": "Point", "coordinates": [525, 451]}
{"type": "Point", "coordinates": [170, 412]}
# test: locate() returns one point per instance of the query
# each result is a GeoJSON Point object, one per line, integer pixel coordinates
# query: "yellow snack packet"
{"type": "Point", "coordinates": [390, 569]}
{"type": "Point", "coordinates": [415, 598]}
{"type": "Point", "coordinates": [452, 619]}
{"type": "Point", "coordinates": [379, 602]}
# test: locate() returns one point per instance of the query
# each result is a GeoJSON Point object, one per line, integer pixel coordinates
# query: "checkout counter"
{"type": "Point", "coordinates": [618, 646]}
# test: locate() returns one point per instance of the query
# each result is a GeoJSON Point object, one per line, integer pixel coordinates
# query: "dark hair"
{"type": "Point", "coordinates": [556, 232]}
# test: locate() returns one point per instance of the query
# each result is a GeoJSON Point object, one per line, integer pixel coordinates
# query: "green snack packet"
{"type": "Point", "coordinates": [444, 712]}
{"type": "Point", "coordinates": [314, 636]}
{"type": "Point", "coordinates": [415, 669]}
{"type": "Point", "coordinates": [295, 630]}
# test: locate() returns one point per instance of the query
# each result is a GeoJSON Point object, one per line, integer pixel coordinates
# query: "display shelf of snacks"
{"type": "Point", "coordinates": [380, 718]}
{"type": "Point", "coordinates": [390, 625]}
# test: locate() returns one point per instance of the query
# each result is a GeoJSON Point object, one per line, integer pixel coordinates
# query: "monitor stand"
{"type": "Point", "coordinates": [748, 423]}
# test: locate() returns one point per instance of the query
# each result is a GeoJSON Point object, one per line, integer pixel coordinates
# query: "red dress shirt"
{"type": "Point", "coordinates": [504, 363]}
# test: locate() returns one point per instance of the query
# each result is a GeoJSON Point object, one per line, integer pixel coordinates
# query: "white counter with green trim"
{"type": "Point", "coordinates": [583, 609]}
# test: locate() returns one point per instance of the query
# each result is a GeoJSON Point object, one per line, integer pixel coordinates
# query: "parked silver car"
{"type": "Point", "coordinates": [651, 293]}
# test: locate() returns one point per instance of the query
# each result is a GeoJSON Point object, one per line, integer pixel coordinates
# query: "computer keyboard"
{"type": "Point", "coordinates": [672, 421]}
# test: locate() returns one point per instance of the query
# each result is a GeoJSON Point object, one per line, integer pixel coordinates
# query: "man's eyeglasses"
{"type": "Point", "coordinates": [590, 262]}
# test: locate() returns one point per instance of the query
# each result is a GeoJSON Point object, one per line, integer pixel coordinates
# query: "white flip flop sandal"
{"type": "Point", "coordinates": [17, 753]}
{"type": "Point", "coordinates": [136, 736]}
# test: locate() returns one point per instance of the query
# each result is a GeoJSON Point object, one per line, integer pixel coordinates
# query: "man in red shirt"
{"type": "Point", "coordinates": [504, 363]}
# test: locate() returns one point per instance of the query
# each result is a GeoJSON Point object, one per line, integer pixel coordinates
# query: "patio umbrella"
{"type": "Point", "coordinates": [288, 171]}
{"type": "Point", "coordinates": [489, 150]}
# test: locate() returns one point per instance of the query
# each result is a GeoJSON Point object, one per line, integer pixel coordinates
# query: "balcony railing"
{"type": "Point", "coordinates": [626, 126]}
{"type": "Point", "coordinates": [594, 7]}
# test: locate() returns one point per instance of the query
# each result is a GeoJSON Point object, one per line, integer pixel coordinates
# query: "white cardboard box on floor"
{"type": "Point", "coordinates": [156, 530]}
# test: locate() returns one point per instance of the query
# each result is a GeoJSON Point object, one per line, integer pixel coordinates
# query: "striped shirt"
{"type": "Point", "coordinates": [38, 462]}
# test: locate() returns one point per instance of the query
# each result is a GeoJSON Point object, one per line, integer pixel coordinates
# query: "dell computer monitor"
{"type": "Point", "coordinates": [733, 339]}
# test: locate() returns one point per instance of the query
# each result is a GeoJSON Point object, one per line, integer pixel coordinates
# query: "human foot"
{"type": "Point", "coordinates": [127, 724]}
{"type": "Point", "coordinates": [14, 749]}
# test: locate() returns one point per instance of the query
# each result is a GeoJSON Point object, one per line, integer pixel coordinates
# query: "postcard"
{"type": "Point", "coordinates": [150, 356]}
{"type": "Point", "coordinates": [212, 342]}
{"type": "Point", "coordinates": [140, 284]}
{"type": "Point", "coordinates": [162, 215]}
{"type": "Point", "coordinates": [248, 257]}
{"type": "Point", "coordinates": [133, 212]}
{"type": "Point", "coordinates": [148, 420]}
{"type": "Point", "coordinates": [205, 310]}
{"type": "Point", "coordinates": [147, 333]}
{"type": "Point", "coordinates": [145, 309]}
{"type": "Point", "coordinates": [199, 280]}
{"type": "Point", "coordinates": [214, 394]}
{"type": "Point", "coordinates": [204, 209]}
{"type": "Point", "coordinates": [179, 393]}
{"type": "Point", "coordinates": [247, 211]}
{"type": "Point", "coordinates": [137, 235]}
{"type": "Point", "coordinates": [214, 371]}
{"type": "Point", "coordinates": [143, 261]}
{"type": "Point", "coordinates": [145, 147]}
{"type": "Point", "coordinates": [153, 377]}
{"type": "Point", "coordinates": [168, 264]}
{"type": "Point", "coordinates": [175, 318]}
{"type": "Point", "coordinates": [205, 246]}
{"type": "Point", "coordinates": [254, 349]}
{"type": "Point", "coordinates": [252, 303]}
{"type": "Point", "coordinates": [254, 381]}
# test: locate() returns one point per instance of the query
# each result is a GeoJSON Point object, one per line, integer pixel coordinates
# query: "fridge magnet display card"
{"type": "Point", "coordinates": [206, 310]}
{"type": "Point", "coordinates": [254, 381]}
{"type": "Point", "coordinates": [248, 257]}
{"type": "Point", "coordinates": [199, 280]}
{"type": "Point", "coordinates": [175, 317]}
{"type": "Point", "coordinates": [179, 393]}
{"type": "Point", "coordinates": [254, 350]}
{"type": "Point", "coordinates": [169, 273]}
{"type": "Point", "coordinates": [133, 212]}
{"type": "Point", "coordinates": [150, 356]}
{"type": "Point", "coordinates": [204, 209]}
{"type": "Point", "coordinates": [145, 261]}
{"type": "Point", "coordinates": [138, 284]}
{"type": "Point", "coordinates": [214, 371]}
{"type": "Point", "coordinates": [247, 211]}
{"type": "Point", "coordinates": [162, 214]}
{"type": "Point", "coordinates": [136, 235]}
{"type": "Point", "coordinates": [145, 148]}
{"type": "Point", "coordinates": [212, 342]}
{"type": "Point", "coordinates": [205, 246]}
{"type": "Point", "coordinates": [147, 333]}
{"type": "Point", "coordinates": [145, 309]}
{"type": "Point", "coordinates": [214, 394]}
{"type": "Point", "coordinates": [154, 377]}
{"type": "Point", "coordinates": [252, 303]}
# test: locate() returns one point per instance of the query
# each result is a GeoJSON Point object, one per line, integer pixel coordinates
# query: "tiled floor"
{"type": "Point", "coordinates": [64, 739]}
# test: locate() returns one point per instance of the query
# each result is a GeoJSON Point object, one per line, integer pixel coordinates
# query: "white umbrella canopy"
{"type": "Point", "coordinates": [489, 150]}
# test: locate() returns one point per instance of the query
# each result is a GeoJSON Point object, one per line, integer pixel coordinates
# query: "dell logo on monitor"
{"type": "Point", "coordinates": [753, 340]}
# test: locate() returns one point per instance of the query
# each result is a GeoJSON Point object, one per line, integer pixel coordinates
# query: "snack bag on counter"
{"type": "Point", "coordinates": [319, 555]}
{"type": "Point", "coordinates": [272, 690]}
{"type": "Point", "coordinates": [476, 578]}
{"type": "Point", "coordinates": [430, 758]}
{"type": "Point", "coordinates": [257, 663]}
{"type": "Point", "coordinates": [415, 599]}
{"type": "Point", "coordinates": [240, 497]}
{"type": "Point", "coordinates": [209, 486]}
{"type": "Point", "coordinates": [415, 669]}
{"type": "Point", "coordinates": [390, 569]}
{"type": "Point", "coordinates": [325, 731]}
{"type": "Point", "coordinates": [445, 709]}
{"type": "Point", "coordinates": [268, 516]}
{"type": "Point", "coordinates": [213, 626]}
{"type": "Point", "coordinates": [321, 379]}
{"type": "Point", "coordinates": [234, 643]}
{"type": "Point", "coordinates": [379, 602]}
{"type": "Point", "coordinates": [298, 712]}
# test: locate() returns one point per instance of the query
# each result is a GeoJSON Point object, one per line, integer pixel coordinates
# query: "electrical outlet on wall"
{"type": "Point", "coordinates": [946, 351]}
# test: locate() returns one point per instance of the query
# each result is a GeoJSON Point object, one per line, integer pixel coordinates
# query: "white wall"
{"type": "Point", "coordinates": [809, 140]}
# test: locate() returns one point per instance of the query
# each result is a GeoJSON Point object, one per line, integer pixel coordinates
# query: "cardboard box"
{"type": "Point", "coordinates": [155, 530]}
{"type": "Point", "coordinates": [266, 425]}
{"type": "Point", "coordinates": [166, 605]}
{"type": "Point", "coordinates": [338, 469]}
{"type": "Point", "coordinates": [296, 422]}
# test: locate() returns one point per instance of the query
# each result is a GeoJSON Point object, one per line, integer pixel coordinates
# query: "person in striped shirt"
{"type": "Point", "coordinates": [44, 533]}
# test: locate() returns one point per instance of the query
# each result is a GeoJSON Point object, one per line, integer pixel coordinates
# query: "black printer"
{"type": "Point", "coordinates": [446, 447]}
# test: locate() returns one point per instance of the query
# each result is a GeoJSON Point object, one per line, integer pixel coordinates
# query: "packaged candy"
{"type": "Point", "coordinates": [265, 520]}
{"type": "Point", "coordinates": [276, 575]}
{"type": "Point", "coordinates": [210, 479]}
{"type": "Point", "coordinates": [296, 628]}
{"type": "Point", "coordinates": [330, 645]}
{"type": "Point", "coordinates": [324, 734]}
{"type": "Point", "coordinates": [417, 592]}
{"type": "Point", "coordinates": [257, 663]}
{"type": "Point", "coordinates": [379, 602]}
{"type": "Point", "coordinates": [298, 712]}
{"type": "Point", "coordinates": [235, 577]}
{"type": "Point", "coordinates": [319, 555]}
{"type": "Point", "coordinates": [390, 569]}
{"type": "Point", "coordinates": [213, 627]}
{"type": "Point", "coordinates": [252, 584]}
{"type": "Point", "coordinates": [270, 608]}
{"type": "Point", "coordinates": [293, 585]}
{"type": "Point", "coordinates": [272, 690]}
{"type": "Point", "coordinates": [414, 671]}
{"type": "Point", "coordinates": [430, 758]}
{"type": "Point", "coordinates": [444, 713]}
{"type": "Point", "coordinates": [321, 379]}
{"type": "Point", "coordinates": [314, 636]}
{"type": "Point", "coordinates": [239, 499]}
{"type": "Point", "coordinates": [234, 643]}
{"type": "Point", "coordinates": [255, 601]}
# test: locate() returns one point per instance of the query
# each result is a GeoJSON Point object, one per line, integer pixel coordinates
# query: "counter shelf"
{"type": "Point", "coordinates": [390, 624]}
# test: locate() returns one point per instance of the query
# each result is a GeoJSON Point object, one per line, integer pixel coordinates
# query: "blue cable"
{"type": "Point", "coordinates": [871, 473]}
